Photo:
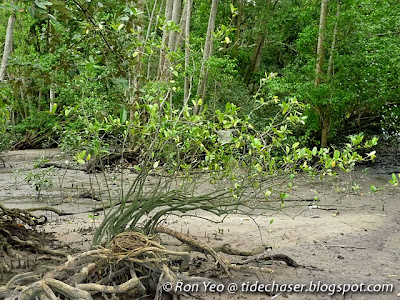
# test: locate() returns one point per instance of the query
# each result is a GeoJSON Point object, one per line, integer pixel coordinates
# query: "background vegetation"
{"type": "Point", "coordinates": [77, 65]}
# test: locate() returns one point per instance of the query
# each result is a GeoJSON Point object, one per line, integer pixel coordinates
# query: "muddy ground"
{"type": "Point", "coordinates": [353, 239]}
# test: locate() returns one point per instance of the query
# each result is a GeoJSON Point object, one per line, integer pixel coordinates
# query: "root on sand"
{"type": "Point", "coordinates": [131, 266]}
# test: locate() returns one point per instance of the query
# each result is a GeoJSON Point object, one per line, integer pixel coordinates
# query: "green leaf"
{"type": "Point", "coordinates": [5, 7]}
{"type": "Point", "coordinates": [43, 4]}
{"type": "Point", "coordinates": [54, 108]}
{"type": "Point", "coordinates": [51, 17]}
{"type": "Point", "coordinates": [283, 196]}
{"type": "Point", "coordinates": [336, 154]}
{"type": "Point", "coordinates": [314, 151]}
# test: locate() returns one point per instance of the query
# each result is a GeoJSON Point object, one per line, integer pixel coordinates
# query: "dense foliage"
{"type": "Point", "coordinates": [77, 66]}
{"type": "Point", "coordinates": [243, 91]}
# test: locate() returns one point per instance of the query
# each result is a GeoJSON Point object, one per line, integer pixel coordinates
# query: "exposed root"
{"type": "Point", "coordinates": [49, 208]}
{"type": "Point", "coordinates": [198, 245]}
{"type": "Point", "coordinates": [15, 214]}
{"type": "Point", "coordinates": [227, 249]}
{"type": "Point", "coordinates": [132, 265]}
{"type": "Point", "coordinates": [272, 257]}
{"type": "Point", "coordinates": [15, 236]}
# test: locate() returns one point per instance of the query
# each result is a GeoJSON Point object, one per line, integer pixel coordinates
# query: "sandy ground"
{"type": "Point", "coordinates": [355, 239]}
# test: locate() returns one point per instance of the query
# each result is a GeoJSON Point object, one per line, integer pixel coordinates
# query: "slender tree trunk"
{"type": "Point", "coordinates": [176, 12]}
{"type": "Point", "coordinates": [7, 46]}
{"type": "Point", "coordinates": [255, 57]}
{"type": "Point", "coordinates": [325, 127]}
{"type": "Point", "coordinates": [239, 18]}
{"type": "Point", "coordinates": [52, 98]}
{"type": "Point", "coordinates": [135, 77]}
{"type": "Point", "coordinates": [150, 21]}
{"type": "Point", "coordinates": [323, 111]}
{"type": "Point", "coordinates": [39, 107]}
{"type": "Point", "coordinates": [172, 39]}
{"type": "Point", "coordinates": [182, 24]}
{"type": "Point", "coordinates": [24, 111]}
{"type": "Point", "coordinates": [164, 43]}
{"type": "Point", "coordinates": [165, 37]}
{"type": "Point", "coordinates": [208, 47]}
{"type": "Point", "coordinates": [188, 12]}
{"type": "Point", "coordinates": [149, 62]}
{"type": "Point", "coordinates": [320, 45]}
{"type": "Point", "coordinates": [333, 44]}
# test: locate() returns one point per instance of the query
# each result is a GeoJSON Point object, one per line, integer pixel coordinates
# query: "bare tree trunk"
{"type": "Point", "coordinates": [52, 98]}
{"type": "Point", "coordinates": [208, 47]}
{"type": "Point", "coordinates": [148, 34]}
{"type": "Point", "coordinates": [187, 13]}
{"type": "Point", "coordinates": [39, 101]}
{"type": "Point", "coordinates": [239, 18]}
{"type": "Point", "coordinates": [150, 21]}
{"type": "Point", "coordinates": [135, 77]}
{"type": "Point", "coordinates": [176, 12]}
{"type": "Point", "coordinates": [255, 58]}
{"type": "Point", "coordinates": [325, 127]}
{"type": "Point", "coordinates": [333, 44]}
{"type": "Point", "coordinates": [182, 24]}
{"type": "Point", "coordinates": [165, 37]}
{"type": "Point", "coordinates": [321, 39]}
{"type": "Point", "coordinates": [323, 111]}
{"type": "Point", "coordinates": [7, 46]}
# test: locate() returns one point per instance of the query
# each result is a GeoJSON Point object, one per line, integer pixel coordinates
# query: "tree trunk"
{"type": "Point", "coordinates": [320, 46]}
{"type": "Point", "coordinates": [182, 24]}
{"type": "Point", "coordinates": [323, 111]}
{"type": "Point", "coordinates": [52, 98]}
{"type": "Point", "coordinates": [135, 77]}
{"type": "Point", "coordinates": [325, 127]}
{"type": "Point", "coordinates": [39, 107]}
{"type": "Point", "coordinates": [208, 47]}
{"type": "Point", "coordinates": [176, 12]}
{"type": "Point", "coordinates": [165, 37]}
{"type": "Point", "coordinates": [7, 46]}
{"type": "Point", "coordinates": [255, 58]}
{"type": "Point", "coordinates": [187, 13]}
{"type": "Point", "coordinates": [239, 18]}
{"type": "Point", "coordinates": [333, 44]}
